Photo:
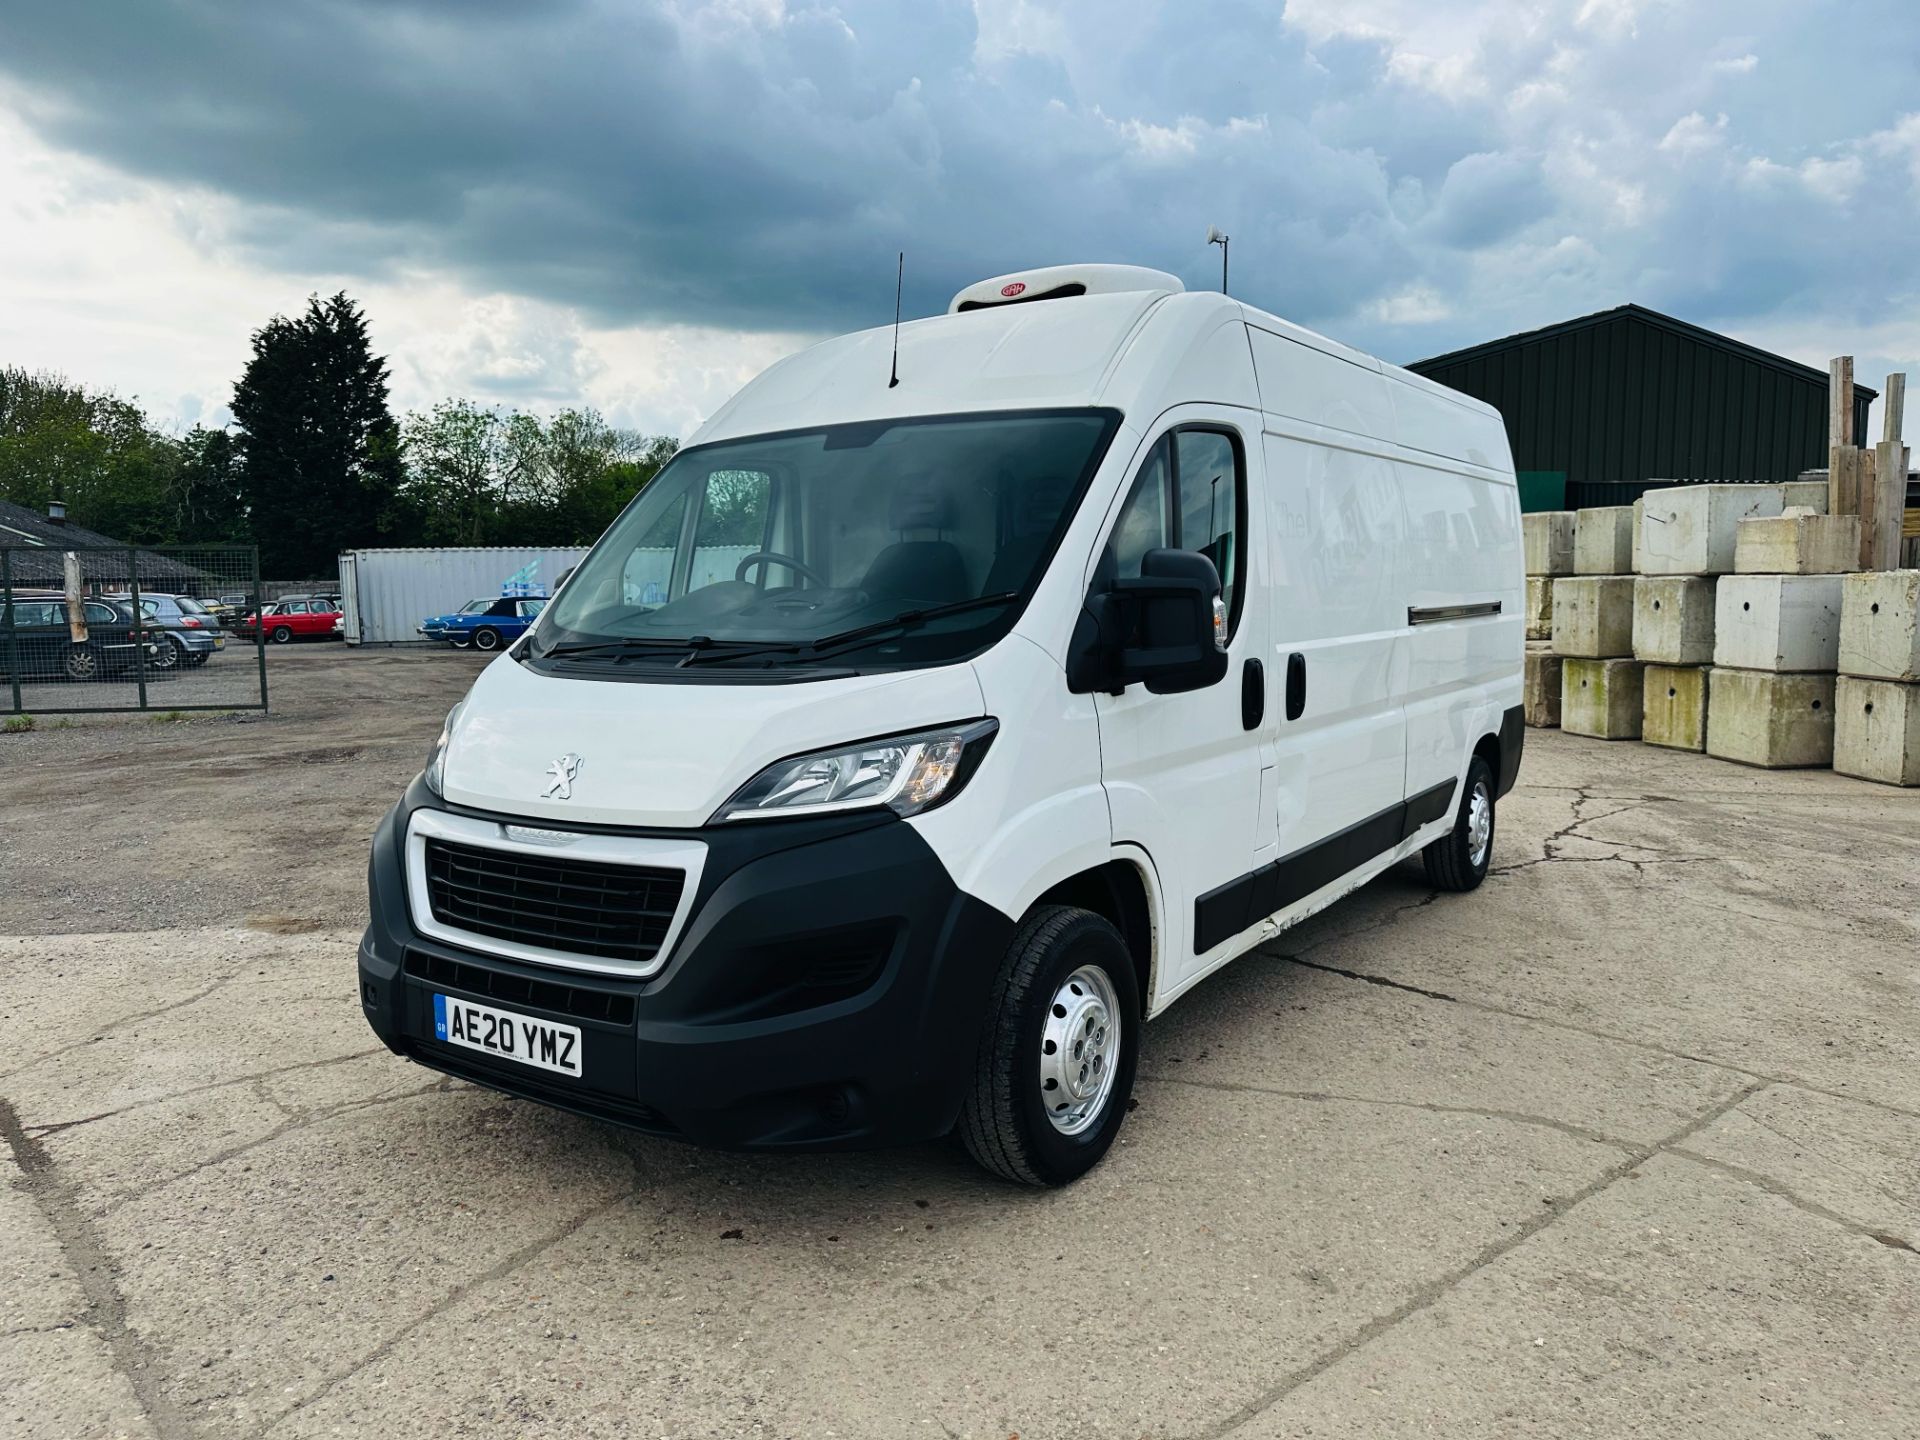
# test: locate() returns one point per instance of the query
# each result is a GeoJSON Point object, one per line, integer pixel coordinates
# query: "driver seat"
{"type": "Point", "coordinates": [919, 572]}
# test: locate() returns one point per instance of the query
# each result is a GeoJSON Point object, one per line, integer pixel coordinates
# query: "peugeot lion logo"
{"type": "Point", "coordinates": [561, 772]}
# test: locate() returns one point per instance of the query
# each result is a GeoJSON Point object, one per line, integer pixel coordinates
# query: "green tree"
{"type": "Point", "coordinates": [320, 451]}
{"type": "Point", "coordinates": [93, 450]}
{"type": "Point", "coordinates": [480, 476]}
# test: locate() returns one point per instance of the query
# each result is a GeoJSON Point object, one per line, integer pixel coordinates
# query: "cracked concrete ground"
{"type": "Point", "coordinates": [1622, 1144]}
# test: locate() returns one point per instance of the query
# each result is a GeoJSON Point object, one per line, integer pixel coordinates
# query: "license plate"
{"type": "Point", "coordinates": [219, 642]}
{"type": "Point", "coordinates": [507, 1036]}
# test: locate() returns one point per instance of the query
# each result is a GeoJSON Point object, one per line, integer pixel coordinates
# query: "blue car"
{"type": "Point", "coordinates": [485, 624]}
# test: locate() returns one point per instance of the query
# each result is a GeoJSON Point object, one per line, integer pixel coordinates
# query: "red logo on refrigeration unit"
{"type": "Point", "coordinates": [1018, 287]}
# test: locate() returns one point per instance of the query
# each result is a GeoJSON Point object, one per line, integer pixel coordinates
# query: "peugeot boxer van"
{"type": "Point", "coordinates": [939, 716]}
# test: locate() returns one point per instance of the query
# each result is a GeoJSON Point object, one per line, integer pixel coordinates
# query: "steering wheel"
{"type": "Point", "coordinates": [774, 557]}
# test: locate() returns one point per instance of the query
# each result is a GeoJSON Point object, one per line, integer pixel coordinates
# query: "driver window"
{"type": "Point", "coordinates": [1186, 497]}
{"type": "Point", "coordinates": [1144, 520]}
{"type": "Point", "coordinates": [732, 525]}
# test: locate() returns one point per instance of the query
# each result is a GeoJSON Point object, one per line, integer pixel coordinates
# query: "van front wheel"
{"type": "Point", "coordinates": [1460, 859]}
{"type": "Point", "coordinates": [1055, 1068]}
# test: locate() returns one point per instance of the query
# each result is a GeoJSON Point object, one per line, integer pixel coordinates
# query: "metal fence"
{"type": "Point", "coordinates": [103, 628]}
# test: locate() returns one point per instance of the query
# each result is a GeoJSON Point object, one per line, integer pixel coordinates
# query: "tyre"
{"type": "Point", "coordinates": [1054, 1072]}
{"type": "Point", "coordinates": [486, 638]}
{"type": "Point", "coordinates": [1460, 859]}
{"type": "Point", "coordinates": [81, 663]}
{"type": "Point", "coordinates": [281, 635]}
{"type": "Point", "coordinates": [169, 656]}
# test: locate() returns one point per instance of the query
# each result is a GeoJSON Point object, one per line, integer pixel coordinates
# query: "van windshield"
{"type": "Point", "coordinates": [910, 542]}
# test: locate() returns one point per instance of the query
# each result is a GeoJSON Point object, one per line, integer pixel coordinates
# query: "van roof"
{"type": "Point", "coordinates": [1052, 353]}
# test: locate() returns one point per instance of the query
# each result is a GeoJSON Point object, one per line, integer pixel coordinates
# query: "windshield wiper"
{"type": "Point", "coordinates": [623, 645]}
{"type": "Point", "coordinates": [843, 640]}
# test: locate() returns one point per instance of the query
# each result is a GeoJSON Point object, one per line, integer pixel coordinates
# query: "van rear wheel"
{"type": "Point", "coordinates": [1460, 859]}
{"type": "Point", "coordinates": [1056, 1062]}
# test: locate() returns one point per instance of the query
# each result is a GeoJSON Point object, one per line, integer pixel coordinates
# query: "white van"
{"type": "Point", "coordinates": [909, 741]}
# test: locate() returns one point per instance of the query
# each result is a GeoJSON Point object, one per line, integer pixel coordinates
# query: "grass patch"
{"type": "Point", "coordinates": [17, 724]}
{"type": "Point", "coordinates": [169, 717]}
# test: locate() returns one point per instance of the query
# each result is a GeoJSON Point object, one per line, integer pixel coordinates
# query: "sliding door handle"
{"type": "Point", "coordinates": [1296, 685]}
{"type": "Point", "coordinates": [1253, 695]}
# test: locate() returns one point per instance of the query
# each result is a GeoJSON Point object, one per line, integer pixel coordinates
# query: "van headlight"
{"type": "Point", "coordinates": [906, 773]}
{"type": "Point", "coordinates": [437, 757]}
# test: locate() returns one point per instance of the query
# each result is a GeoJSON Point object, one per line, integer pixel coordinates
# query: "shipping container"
{"type": "Point", "coordinates": [387, 593]}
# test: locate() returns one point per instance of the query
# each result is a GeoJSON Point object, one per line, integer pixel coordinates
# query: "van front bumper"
{"type": "Point", "coordinates": [827, 991]}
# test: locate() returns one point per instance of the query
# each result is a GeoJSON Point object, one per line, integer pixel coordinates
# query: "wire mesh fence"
{"type": "Point", "coordinates": [96, 628]}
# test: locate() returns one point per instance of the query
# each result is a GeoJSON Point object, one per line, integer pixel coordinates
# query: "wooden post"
{"type": "Point", "coordinates": [1843, 461]}
{"type": "Point", "coordinates": [1840, 401]}
{"type": "Point", "coordinates": [76, 599]}
{"type": "Point", "coordinates": [1880, 525]}
{"type": "Point", "coordinates": [1893, 402]}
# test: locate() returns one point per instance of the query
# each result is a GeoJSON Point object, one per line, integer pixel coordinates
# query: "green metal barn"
{"type": "Point", "coordinates": [1598, 407]}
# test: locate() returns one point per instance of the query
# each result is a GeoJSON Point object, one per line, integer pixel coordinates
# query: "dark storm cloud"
{"type": "Point", "coordinates": [751, 164]}
{"type": "Point", "coordinates": [646, 161]}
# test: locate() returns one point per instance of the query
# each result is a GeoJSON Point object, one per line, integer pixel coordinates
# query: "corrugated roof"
{"type": "Point", "coordinates": [25, 532]}
{"type": "Point", "coordinates": [1651, 317]}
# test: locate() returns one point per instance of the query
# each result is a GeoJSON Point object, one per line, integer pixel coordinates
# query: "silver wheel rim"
{"type": "Point", "coordinates": [1479, 825]}
{"type": "Point", "coordinates": [1079, 1050]}
{"type": "Point", "coordinates": [80, 664]}
{"type": "Point", "coordinates": [167, 656]}
{"type": "Point", "coordinates": [485, 640]}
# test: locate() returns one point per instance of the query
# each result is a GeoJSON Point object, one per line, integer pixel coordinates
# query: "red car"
{"type": "Point", "coordinates": [294, 617]}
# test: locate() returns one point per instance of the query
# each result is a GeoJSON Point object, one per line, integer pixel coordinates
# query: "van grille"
{"type": "Point", "coordinates": [616, 912]}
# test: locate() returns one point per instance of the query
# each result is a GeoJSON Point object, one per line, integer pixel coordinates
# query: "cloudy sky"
{"type": "Point", "coordinates": [639, 203]}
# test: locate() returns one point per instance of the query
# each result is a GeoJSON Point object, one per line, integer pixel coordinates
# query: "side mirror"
{"type": "Point", "coordinates": [1168, 628]}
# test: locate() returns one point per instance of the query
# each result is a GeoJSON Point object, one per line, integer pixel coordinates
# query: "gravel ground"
{"type": "Point", "coordinates": [1621, 1144]}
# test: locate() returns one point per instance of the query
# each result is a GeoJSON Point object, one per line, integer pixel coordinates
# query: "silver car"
{"type": "Point", "coordinates": [192, 631]}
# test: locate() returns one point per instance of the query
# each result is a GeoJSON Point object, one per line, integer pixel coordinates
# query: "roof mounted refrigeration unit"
{"type": "Point", "coordinates": [1060, 282]}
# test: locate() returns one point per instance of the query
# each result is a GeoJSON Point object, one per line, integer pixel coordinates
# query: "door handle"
{"type": "Point", "coordinates": [1253, 695]}
{"type": "Point", "coordinates": [1296, 685]}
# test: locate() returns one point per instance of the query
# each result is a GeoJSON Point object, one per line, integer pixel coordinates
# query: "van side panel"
{"type": "Point", "coordinates": [1334, 527]}
{"type": "Point", "coordinates": [1462, 551]}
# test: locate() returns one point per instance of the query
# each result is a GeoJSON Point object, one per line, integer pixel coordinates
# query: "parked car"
{"type": "Point", "coordinates": [192, 634]}
{"type": "Point", "coordinates": [485, 624]}
{"type": "Point", "coordinates": [1132, 628]}
{"type": "Point", "coordinates": [44, 645]}
{"type": "Point", "coordinates": [306, 617]}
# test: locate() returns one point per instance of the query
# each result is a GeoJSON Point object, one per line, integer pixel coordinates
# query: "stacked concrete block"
{"type": "Point", "coordinates": [1603, 540]}
{"type": "Point", "coordinates": [1880, 625]}
{"type": "Point", "coordinates": [1547, 539]}
{"type": "Point", "coordinates": [1770, 695]}
{"type": "Point", "coordinates": [1691, 529]}
{"type": "Point", "coordinates": [1673, 619]}
{"type": "Point", "coordinates": [1593, 616]}
{"type": "Point", "coordinates": [1877, 727]}
{"type": "Point", "coordinates": [1674, 709]}
{"type": "Point", "coordinates": [1797, 542]}
{"type": "Point", "coordinates": [1774, 719]}
{"type": "Point", "coordinates": [1777, 622]}
{"type": "Point", "coordinates": [1805, 494]}
{"type": "Point", "coordinates": [1540, 698]}
{"type": "Point", "coordinates": [1539, 607]}
{"type": "Point", "coordinates": [1602, 698]}
{"type": "Point", "coordinates": [1639, 534]}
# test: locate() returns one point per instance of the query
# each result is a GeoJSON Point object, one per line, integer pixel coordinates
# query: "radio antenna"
{"type": "Point", "coordinates": [899, 277]}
